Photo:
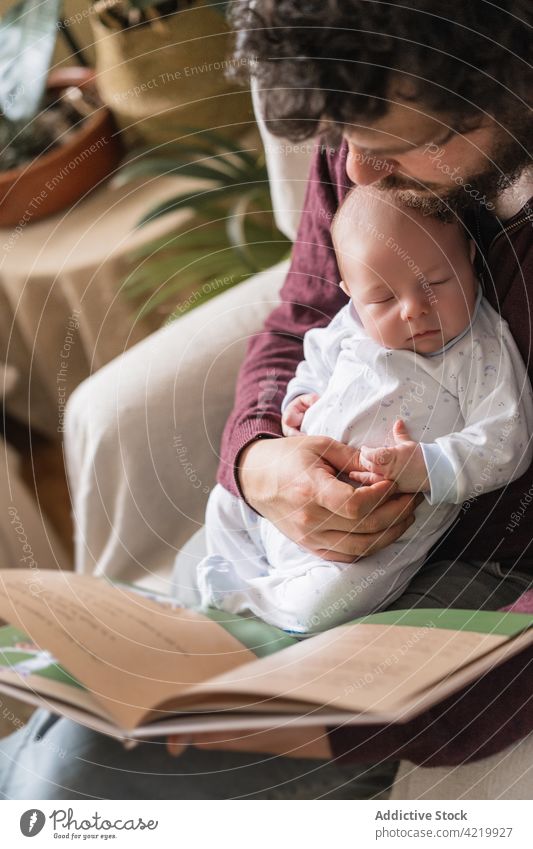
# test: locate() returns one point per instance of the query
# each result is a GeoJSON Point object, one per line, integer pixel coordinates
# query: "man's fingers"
{"type": "Point", "coordinates": [177, 743]}
{"type": "Point", "coordinates": [341, 457]}
{"type": "Point", "coordinates": [294, 742]}
{"type": "Point", "coordinates": [396, 509]}
{"type": "Point", "coordinates": [389, 508]}
{"type": "Point", "coordinates": [376, 542]}
{"type": "Point", "coordinates": [354, 503]}
{"type": "Point", "coordinates": [365, 478]}
{"type": "Point", "coordinates": [347, 548]}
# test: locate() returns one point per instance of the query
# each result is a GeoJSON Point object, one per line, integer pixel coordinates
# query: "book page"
{"type": "Point", "coordinates": [27, 667]}
{"type": "Point", "coordinates": [128, 651]}
{"type": "Point", "coordinates": [50, 692]}
{"type": "Point", "coordinates": [358, 667]}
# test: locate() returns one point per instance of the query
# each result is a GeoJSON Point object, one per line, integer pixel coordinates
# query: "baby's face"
{"type": "Point", "coordinates": [412, 282]}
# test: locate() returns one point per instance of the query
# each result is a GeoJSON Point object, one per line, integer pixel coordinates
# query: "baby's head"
{"type": "Point", "coordinates": [410, 276]}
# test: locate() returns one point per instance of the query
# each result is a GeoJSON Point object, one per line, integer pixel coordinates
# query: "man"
{"type": "Point", "coordinates": [434, 108]}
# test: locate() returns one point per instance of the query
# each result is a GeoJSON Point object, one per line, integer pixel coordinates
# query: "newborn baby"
{"type": "Point", "coordinates": [421, 374]}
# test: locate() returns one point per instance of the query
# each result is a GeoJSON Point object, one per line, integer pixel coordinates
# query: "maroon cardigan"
{"type": "Point", "coordinates": [497, 710]}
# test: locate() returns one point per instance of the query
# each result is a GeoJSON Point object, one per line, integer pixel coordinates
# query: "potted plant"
{"type": "Point", "coordinates": [57, 141]}
{"type": "Point", "coordinates": [161, 65]}
{"type": "Point", "coordinates": [229, 233]}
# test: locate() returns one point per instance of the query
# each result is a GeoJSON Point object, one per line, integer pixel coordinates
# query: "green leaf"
{"type": "Point", "coordinates": [217, 140]}
{"type": "Point", "coordinates": [201, 261]}
{"type": "Point", "coordinates": [229, 235]}
{"type": "Point", "coordinates": [226, 153]}
{"type": "Point", "coordinates": [162, 271]}
{"type": "Point", "coordinates": [178, 151]}
{"type": "Point", "coordinates": [182, 262]}
{"type": "Point", "coordinates": [169, 168]}
{"type": "Point", "coordinates": [196, 237]}
{"type": "Point", "coordinates": [204, 237]}
{"type": "Point", "coordinates": [210, 289]}
{"type": "Point", "coordinates": [236, 230]}
{"type": "Point", "coordinates": [190, 271]}
{"type": "Point", "coordinates": [193, 200]}
{"type": "Point", "coordinates": [225, 169]}
{"type": "Point", "coordinates": [231, 270]}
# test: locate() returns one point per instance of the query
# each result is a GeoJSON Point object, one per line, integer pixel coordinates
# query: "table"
{"type": "Point", "coordinates": [63, 309]}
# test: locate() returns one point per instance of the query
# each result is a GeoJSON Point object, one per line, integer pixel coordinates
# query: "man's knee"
{"type": "Point", "coordinates": [90, 416]}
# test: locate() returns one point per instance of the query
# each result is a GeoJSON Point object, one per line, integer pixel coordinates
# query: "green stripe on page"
{"type": "Point", "coordinates": [256, 635]}
{"type": "Point", "coordinates": [481, 621]}
{"type": "Point", "coordinates": [265, 639]}
{"type": "Point", "coordinates": [14, 656]}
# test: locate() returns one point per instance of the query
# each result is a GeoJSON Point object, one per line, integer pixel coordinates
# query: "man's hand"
{"type": "Point", "coordinates": [292, 743]}
{"type": "Point", "coordinates": [403, 463]}
{"type": "Point", "coordinates": [293, 483]}
{"type": "Point", "coordinates": [292, 418]}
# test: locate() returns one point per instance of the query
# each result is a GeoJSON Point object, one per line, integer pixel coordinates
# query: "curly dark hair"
{"type": "Point", "coordinates": [335, 62]}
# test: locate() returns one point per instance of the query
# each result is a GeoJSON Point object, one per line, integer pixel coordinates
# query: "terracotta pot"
{"type": "Point", "coordinates": [160, 80]}
{"type": "Point", "coordinates": [58, 179]}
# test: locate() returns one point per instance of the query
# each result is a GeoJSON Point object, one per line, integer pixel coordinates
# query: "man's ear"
{"type": "Point", "coordinates": [344, 288]}
{"type": "Point", "coordinates": [472, 249]}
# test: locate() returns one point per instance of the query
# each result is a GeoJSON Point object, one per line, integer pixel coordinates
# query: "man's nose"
{"type": "Point", "coordinates": [364, 168]}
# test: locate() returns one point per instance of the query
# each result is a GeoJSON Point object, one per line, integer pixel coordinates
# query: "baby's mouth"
{"type": "Point", "coordinates": [424, 333]}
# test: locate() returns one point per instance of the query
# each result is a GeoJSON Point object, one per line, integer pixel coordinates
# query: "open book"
{"type": "Point", "coordinates": [136, 666]}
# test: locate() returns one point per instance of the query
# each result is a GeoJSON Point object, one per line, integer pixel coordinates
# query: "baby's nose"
{"type": "Point", "coordinates": [414, 307]}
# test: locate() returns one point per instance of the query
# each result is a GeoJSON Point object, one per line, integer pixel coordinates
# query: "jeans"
{"type": "Point", "coordinates": [53, 758]}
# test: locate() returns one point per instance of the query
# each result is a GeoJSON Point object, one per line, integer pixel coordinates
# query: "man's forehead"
{"type": "Point", "coordinates": [403, 127]}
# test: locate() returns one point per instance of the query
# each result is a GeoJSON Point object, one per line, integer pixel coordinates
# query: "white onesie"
{"type": "Point", "coordinates": [469, 404]}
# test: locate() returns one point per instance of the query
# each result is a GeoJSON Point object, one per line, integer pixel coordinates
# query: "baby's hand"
{"type": "Point", "coordinates": [293, 416]}
{"type": "Point", "coordinates": [403, 463]}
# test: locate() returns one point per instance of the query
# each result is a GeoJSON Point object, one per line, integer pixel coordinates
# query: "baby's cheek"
{"type": "Point", "coordinates": [393, 333]}
{"type": "Point", "coordinates": [386, 332]}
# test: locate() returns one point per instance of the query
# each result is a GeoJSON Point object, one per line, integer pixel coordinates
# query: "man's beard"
{"type": "Point", "coordinates": [505, 165]}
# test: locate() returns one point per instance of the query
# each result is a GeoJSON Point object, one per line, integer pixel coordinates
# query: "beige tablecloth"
{"type": "Point", "coordinates": [63, 310]}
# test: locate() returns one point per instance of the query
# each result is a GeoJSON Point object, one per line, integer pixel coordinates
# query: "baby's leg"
{"type": "Point", "coordinates": [232, 530]}
{"type": "Point", "coordinates": [235, 552]}
{"type": "Point", "coordinates": [252, 567]}
{"type": "Point", "coordinates": [304, 593]}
